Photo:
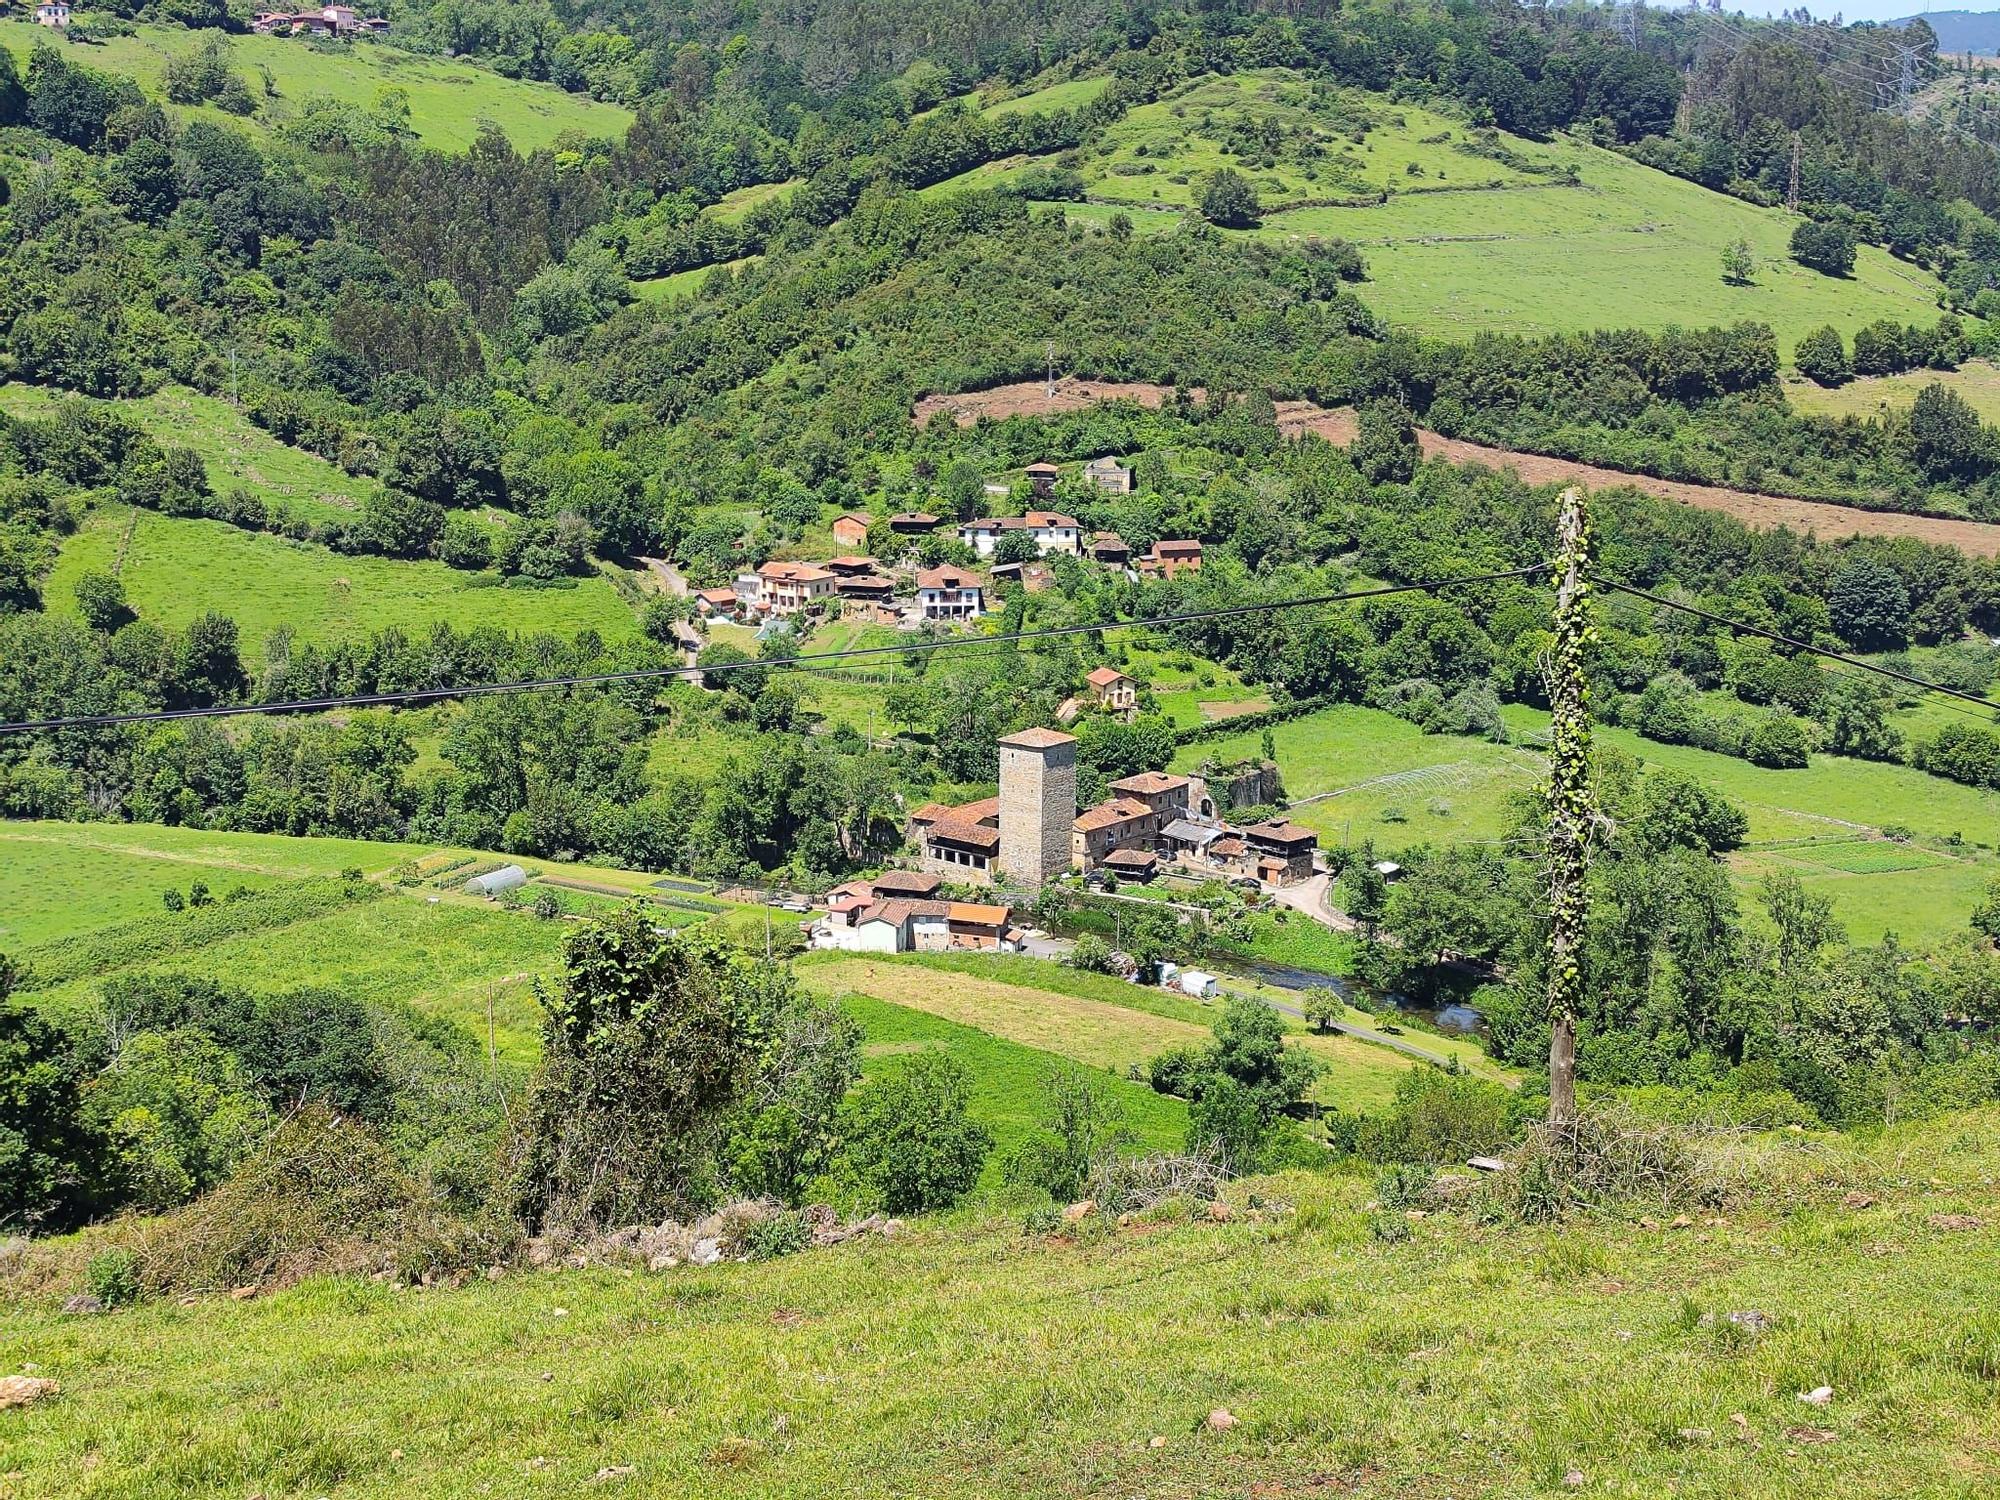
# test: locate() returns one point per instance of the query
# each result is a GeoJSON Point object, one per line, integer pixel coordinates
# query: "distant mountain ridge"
{"type": "Point", "coordinates": [1962, 30]}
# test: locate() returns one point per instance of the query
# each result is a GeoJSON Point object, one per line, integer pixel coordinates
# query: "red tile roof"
{"type": "Point", "coordinates": [985, 916]}
{"type": "Point", "coordinates": [1105, 676]}
{"type": "Point", "coordinates": [946, 577]}
{"type": "Point", "coordinates": [1149, 783]}
{"type": "Point", "coordinates": [1111, 814]}
{"type": "Point", "coordinates": [904, 882]}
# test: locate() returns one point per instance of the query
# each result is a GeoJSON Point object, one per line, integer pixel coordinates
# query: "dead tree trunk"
{"type": "Point", "coordinates": [1571, 812]}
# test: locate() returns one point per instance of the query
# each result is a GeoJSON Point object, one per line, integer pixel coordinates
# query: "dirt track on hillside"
{"type": "Point", "coordinates": [1337, 425]}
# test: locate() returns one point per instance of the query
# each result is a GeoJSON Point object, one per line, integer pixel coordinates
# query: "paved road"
{"type": "Point", "coordinates": [669, 576]}
{"type": "Point", "coordinates": [1310, 898]}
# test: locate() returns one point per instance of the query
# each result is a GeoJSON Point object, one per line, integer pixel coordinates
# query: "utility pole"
{"type": "Point", "coordinates": [1792, 197]}
{"type": "Point", "coordinates": [1571, 809]}
{"type": "Point", "coordinates": [1049, 354]}
{"type": "Point", "coordinates": [1906, 79]}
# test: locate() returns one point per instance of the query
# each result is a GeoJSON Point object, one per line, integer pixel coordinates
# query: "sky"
{"type": "Point", "coordinates": [1862, 10]}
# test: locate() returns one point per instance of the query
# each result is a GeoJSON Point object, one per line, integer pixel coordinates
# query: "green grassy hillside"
{"type": "Point", "coordinates": [1877, 395]}
{"type": "Point", "coordinates": [964, 1357]}
{"type": "Point", "coordinates": [449, 99]}
{"type": "Point", "coordinates": [174, 569]}
{"type": "Point", "coordinates": [234, 449]}
{"type": "Point", "coordinates": [1478, 229]}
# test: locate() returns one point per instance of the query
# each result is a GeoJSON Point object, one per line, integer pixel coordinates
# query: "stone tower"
{"type": "Point", "coordinates": [1037, 804]}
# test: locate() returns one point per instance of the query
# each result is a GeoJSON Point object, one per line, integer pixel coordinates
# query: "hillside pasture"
{"type": "Point", "coordinates": [60, 879]}
{"type": "Point", "coordinates": [681, 285]}
{"type": "Point", "coordinates": [1882, 395]}
{"type": "Point", "coordinates": [1465, 229]}
{"type": "Point", "coordinates": [176, 568]}
{"type": "Point", "coordinates": [1072, 93]}
{"type": "Point", "coordinates": [1625, 247]}
{"type": "Point", "coordinates": [1352, 773]}
{"type": "Point", "coordinates": [450, 99]}
{"type": "Point", "coordinates": [233, 449]}
{"type": "Point", "coordinates": [964, 1356]}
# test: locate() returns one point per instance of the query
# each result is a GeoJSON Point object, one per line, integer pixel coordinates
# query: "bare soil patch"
{"type": "Point", "coordinates": [1822, 519]}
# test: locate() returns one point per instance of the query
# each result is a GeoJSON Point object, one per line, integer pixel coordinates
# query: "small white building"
{"type": "Point", "coordinates": [52, 13]}
{"type": "Point", "coordinates": [915, 926]}
{"type": "Point", "coordinates": [1052, 531]}
{"type": "Point", "coordinates": [949, 593]}
{"type": "Point", "coordinates": [1194, 982]}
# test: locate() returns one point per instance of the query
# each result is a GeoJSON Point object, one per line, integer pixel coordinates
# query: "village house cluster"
{"type": "Point", "coordinates": [947, 594]}
{"type": "Point", "coordinates": [328, 21]}
{"type": "Point", "coordinates": [1031, 832]}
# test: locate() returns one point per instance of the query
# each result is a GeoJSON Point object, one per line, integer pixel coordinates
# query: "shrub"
{"type": "Point", "coordinates": [647, 1044]}
{"type": "Point", "coordinates": [1822, 358]}
{"type": "Point", "coordinates": [1404, 1186]}
{"type": "Point", "coordinates": [1081, 1124]}
{"type": "Point", "coordinates": [323, 1195]}
{"type": "Point", "coordinates": [1780, 743]}
{"type": "Point", "coordinates": [1226, 1122]}
{"type": "Point", "coordinates": [1826, 248]}
{"type": "Point", "coordinates": [1436, 1117]}
{"type": "Point", "coordinates": [112, 1277]}
{"type": "Point", "coordinates": [912, 1137]}
{"type": "Point", "coordinates": [782, 1234]}
{"type": "Point", "coordinates": [1091, 954]}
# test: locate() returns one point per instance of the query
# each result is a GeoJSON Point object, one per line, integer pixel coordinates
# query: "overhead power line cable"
{"type": "Point", "coordinates": [1744, 628]}
{"type": "Point", "coordinates": [647, 674]}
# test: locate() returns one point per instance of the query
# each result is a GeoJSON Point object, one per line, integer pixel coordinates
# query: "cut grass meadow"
{"type": "Point", "coordinates": [59, 879]}
{"type": "Point", "coordinates": [450, 99]}
{"type": "Point", "coordinates": [966, 1357]}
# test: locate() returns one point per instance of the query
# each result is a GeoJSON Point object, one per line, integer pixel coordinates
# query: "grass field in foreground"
{"type": "Point", "coordinates": [449, 99]}
{"type": "Point", "coordinates": [174, 569]}
{"type": "Point", "coordinates": [964, 1357]}
{"type": "Point", "coordinates": [1877, 395]}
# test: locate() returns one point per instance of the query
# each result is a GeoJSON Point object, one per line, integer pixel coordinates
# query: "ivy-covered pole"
{"type": "Point", "coordinates": [1571, 811]}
